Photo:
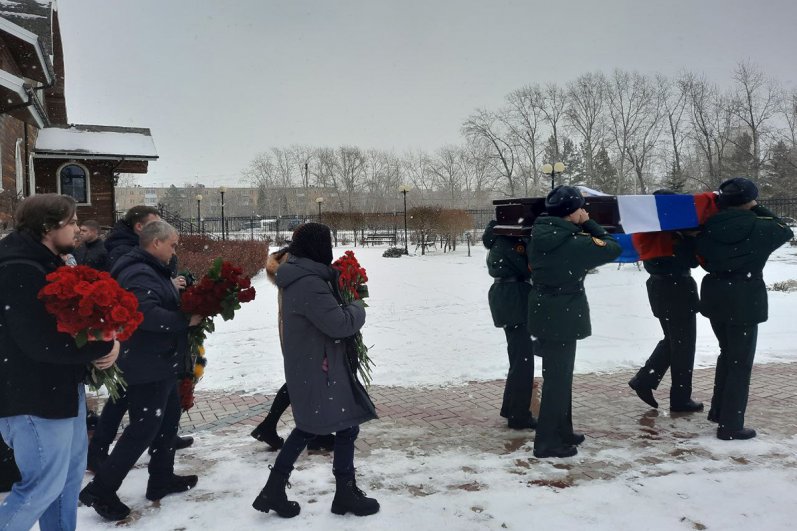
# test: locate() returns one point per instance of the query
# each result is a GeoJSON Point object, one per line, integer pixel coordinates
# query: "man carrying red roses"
{"type": "Point", "coordinates": [42, 403]}
{"type": "Point", "coordinates": [151, 360]}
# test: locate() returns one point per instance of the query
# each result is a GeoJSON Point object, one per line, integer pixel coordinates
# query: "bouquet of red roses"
{"type": "Point", "coordinates": [352, 286]}
{"type": "Point", "coordinates": [89, 305]}
{"type": "Point", "coordinates": [220, 292]}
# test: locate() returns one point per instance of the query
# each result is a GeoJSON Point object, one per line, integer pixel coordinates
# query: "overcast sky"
{"type": "Point", "coordinates": [219, 81]}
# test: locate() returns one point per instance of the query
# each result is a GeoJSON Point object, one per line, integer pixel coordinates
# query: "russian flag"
{"type": "Point", "coordinates": [655, 213]}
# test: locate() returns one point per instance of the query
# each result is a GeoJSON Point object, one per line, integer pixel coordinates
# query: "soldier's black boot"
{"type": "Point", "coordinates": [575, 439]}
{"type": "Point", "coordinates": [273, 496]}
{"type": "Point", "coordinates": [687, 407]}
{"type": "Point", "coordinates": [159, 487]}
{"type": "Point", "coordinates": [644, 392]}
{"type": "Point", "coordinates": [350, 499]}
{"type": "Point", "coordinates": [733, 435]}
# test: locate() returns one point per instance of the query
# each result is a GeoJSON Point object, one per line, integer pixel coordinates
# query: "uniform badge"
{"type": "Point", "coordinates": [520, 248]}
{"type": "Point", "coordinates": [598, 242]}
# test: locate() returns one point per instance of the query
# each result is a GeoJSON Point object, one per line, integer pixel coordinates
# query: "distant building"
{"type": "Point", "coordinates": [40, 152]}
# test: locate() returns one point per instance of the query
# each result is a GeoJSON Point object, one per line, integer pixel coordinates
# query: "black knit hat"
{"type": "Point", "coordinates": [563, 201]}
{"type": "Point", "coordinates": [736, 191]}
{"type": "Point", "coordinates": [313, 241]}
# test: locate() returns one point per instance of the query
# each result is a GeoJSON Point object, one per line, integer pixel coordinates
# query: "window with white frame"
{"type": "Point", "coordinates": [20, 168]}
{"type": "Point", "coordinates": [73, 180]}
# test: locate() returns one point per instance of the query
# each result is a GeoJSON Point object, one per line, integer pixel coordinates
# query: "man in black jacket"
{"type": "Point", "coordinates": [42, 399]}
{"type": "Point", "coordinates": [123, 237]}
{"type": "Point", "coordinates": [92, 251]}
{"type": "Point", "coordinates": [151, 360]}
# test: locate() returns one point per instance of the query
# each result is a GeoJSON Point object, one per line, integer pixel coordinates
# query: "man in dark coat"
{"type": "Point", "coordinates": [669, 258]}
{"type": "Point", "coordinates": [508, 298]}
{"type": "Point", "coordinates": [325, 395]}
{"type": "Point", "coordinates": [92, 251]}
{"type": "Point", "coordinates": [565, 245]}
{"type": "Point", "coordinates": [123, 237]}
{"type": "Point", "coordinates": [734, 246]}
{"type": "Point", "coordinates": [42, 397]}
{"type": "Point", "coordinates": [151, 360]}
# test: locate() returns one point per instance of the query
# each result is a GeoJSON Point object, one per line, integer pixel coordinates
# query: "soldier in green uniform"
{"type": "Point", "coordinates": [565, 244]}
{"type": "Point", "coordinates": [734, 246]}
{"type": "Point", "coordinates": [669, 258]}
{"type": "Point", "coordinates": [508, 297]}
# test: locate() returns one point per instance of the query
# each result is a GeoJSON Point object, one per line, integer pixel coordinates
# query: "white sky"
{"type": "Point", "coordinates": [219, 81]}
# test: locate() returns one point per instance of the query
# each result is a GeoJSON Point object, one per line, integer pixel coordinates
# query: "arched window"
{"type": "Point", "coordinates": [73, 180]}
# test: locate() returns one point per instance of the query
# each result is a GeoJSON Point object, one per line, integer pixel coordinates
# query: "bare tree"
{"type": "Point", "coordinates": [585, 112]}
{"type": "Point", "coordinates": [754, 103]}
{"type": "Point", "coordinates": [788, 109]}
{"type": "Point", "coordinates": [445, 166]}
{"type": "Point", "coordinates": [351, 172]}
{"type": "Point", "coordinates": [554, 103]}
{"type": "Point", "coordinates": [646, 130]}
{"type": "Point", "coordinates": [524, 120]}
{"type": "Point", "coordinates": [478, 175]}
{"type": "Point", "coordinates": [485, 125]}
{"type": "Point", "coordinates": [711, 127]}
{"type": "Point", "coordinates": [675, 98]}
{"type": "Point", "coordinates": [415, 167]}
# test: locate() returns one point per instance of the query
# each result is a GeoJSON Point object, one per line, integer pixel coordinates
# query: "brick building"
{"type": "Point", "coordinates": [40, 152]}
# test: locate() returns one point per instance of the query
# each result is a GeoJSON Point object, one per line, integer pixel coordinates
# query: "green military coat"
{"type": "Point", "coordinates": [734, 246]}
{"type": "Point", "coordinates": [560, 255]}
{"type": "Point", "coordinates": [507, 262]}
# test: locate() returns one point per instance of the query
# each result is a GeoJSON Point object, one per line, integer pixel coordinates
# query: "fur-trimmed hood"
{"type": "Point", "coordinates": [274, 260]}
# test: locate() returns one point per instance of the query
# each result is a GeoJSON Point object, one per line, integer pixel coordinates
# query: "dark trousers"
{"type": "Point", "coordinates": [154, 410]}
{"type": "Point", "coordinates": [108, 424]}
{"type": "Point", "coordinates": [676, 352]}
{"type": "Point", "coordinates": [520, 378]}
{"type": "Point", "coordinates": [342, 462]}
{"type": "Point", "coordinates": [732, 377]}
{"type": "Point", "coordinates": [281, 402]}
{"type": "Point", "coordinates": [555, 425]}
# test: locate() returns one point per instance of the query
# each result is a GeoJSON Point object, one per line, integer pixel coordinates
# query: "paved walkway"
{"type": "Point", "coordinates": [466, 417]}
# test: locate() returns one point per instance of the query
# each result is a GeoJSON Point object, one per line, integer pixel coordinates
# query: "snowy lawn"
{"type": "Point", "coordinates": [429, 324]}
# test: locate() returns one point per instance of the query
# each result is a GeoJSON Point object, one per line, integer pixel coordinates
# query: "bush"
{"type": "Point", "coordinates": [196, 254]}
{"type": "Point", "coordinates": [393, 252]}
{"type": "Point", "coordinates": [786, 285]}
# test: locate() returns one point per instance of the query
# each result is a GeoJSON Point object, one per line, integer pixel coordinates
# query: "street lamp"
{"type": "Point", "coordinates": [199, 213]}
{"type": "Point", "coordinates": [553, 171]}
{"type": "Point", "coordinates": [404, 188]}
{"type": "Point", "coordinates": [223, 229]}
{"type": "Point", "coordinates": [319, 200]}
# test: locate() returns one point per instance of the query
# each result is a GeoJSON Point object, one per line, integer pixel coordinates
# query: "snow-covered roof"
{"type": "Point", "coordinates": [19, 100]}
{"type": "Point", "coordinates": [28, 50]}
{"type": "Point", "coordinates": [33, 15]}
{"type": "Point", "coordinates": [96, 142]}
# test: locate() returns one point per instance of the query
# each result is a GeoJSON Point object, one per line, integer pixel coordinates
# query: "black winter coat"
{"type": "Point", "coordinates": [40, 368]}
{"type": "Point", "coordinates": [121, 240]}
{"type": "Point", "coordinates": [158, 349]}
{"type": "Point", "coordinates": [93, 255]}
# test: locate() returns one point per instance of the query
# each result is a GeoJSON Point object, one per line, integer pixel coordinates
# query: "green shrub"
{"type": "Point", "coordinates": [393, 252]}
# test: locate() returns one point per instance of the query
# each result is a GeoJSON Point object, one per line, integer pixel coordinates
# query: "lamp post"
{"type": "Point", "coordinates": [319, 200]}
{"type": "Point", "coordinates": [223, 226]}
{"type": "Point", "coordinates": [553, 171]}
{"type": "Point", "coordinates": [199, 213]}
{"type": "Point", "coordinates": [404, 188]}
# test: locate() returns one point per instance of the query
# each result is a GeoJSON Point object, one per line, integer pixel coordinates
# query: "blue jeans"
{"type": "Point", "coordinates": [51, 456]}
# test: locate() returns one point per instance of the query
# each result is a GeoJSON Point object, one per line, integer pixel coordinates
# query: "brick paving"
{"type": "Point", "coordinates": [466, 416]}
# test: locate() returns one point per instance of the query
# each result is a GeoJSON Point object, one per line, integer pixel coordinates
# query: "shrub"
{"type": "Point", "coordinates": [786, 285]}
{"type": "Point", "coordinates": [393, 252]}
{"type": "Point", "coordinates": [196, 254]}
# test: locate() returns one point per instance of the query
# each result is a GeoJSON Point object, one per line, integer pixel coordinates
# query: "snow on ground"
{"type": "Point", "coordinates": [465, 490]}
{"type": "Point", "coordinates": [429, 324]}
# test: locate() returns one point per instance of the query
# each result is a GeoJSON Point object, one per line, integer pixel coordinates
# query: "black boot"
{"type": "Point", "coordinates": [561, 452]}
{"type": "Point", "coordinates": [106, 503]}
{"type": "Point", "coordinates": [350, 499]}
{"type": "Point", "coordinates": [273, 496]}
{"type": "Point", "coordinates": [322, 442]}
{"type": "Point", "coordinates": [181, 443]}
{"type": "Point", "coordinates": [734, 435]}
{"type": "Point", "coordinates": [687, 407]}
{"type": "Point", "coordinates": [575, 439]}
{"type": "Point", "coordinates": [160, 487]}
{"type": "Point", "coordinates": [643, 392]}
{"type": "Point", "coordinates": [529, 423]}
{"type": "Point", "coordinates": [266, 432]}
